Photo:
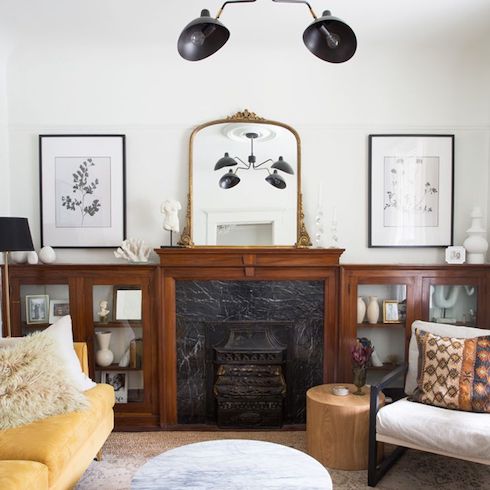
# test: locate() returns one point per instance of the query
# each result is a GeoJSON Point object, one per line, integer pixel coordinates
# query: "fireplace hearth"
{"type": "Point", "coordinates": [249, 387]}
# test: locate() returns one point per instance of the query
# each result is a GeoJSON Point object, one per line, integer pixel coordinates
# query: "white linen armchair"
{"type": "Point", "coordinates": [407, 424]}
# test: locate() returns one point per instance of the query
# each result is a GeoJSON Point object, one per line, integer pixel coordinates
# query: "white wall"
{"type": "Point", "coordinates": [147, 92]}
{"type": "Point", "coordinates": [4, 156]}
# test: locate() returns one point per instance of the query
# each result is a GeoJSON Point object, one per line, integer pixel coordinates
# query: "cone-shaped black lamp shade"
{"type": "Point", "coordinates": [283, 165]}
{"type": "Point", "coordinates": [15, 235]}
{"type": "Point", "coordinates": [225, 161]}
{"type": "Point", "coordinates": [202, 37]}
{"type": "Point", "coordinates": [276, 180]}
{"type": "Point", "coordinates": [229, 180]}
{"type": "Point", "coordinates": [330, 39]}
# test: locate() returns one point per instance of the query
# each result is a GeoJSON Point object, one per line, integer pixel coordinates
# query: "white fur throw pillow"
{"type": "Point", "coordinates": [34, 383]}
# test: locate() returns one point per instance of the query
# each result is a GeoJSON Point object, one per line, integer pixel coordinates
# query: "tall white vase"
{"type": "Point", "coordinates": [373, 310]}
{"type": "Point", "coordinates": [104, 356]}
{"type": "Point", "coordinates": [476, 244]}
{"type": "Point", "coordinates": [361, 310]}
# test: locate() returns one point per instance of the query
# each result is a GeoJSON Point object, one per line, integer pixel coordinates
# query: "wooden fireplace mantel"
{"type": "Point", "coordinates": [248, 258]}
{"type": "Point", "coordinates": [240, 263]}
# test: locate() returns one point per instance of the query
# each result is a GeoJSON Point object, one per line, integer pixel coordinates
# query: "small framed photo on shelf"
{"type": "Point", "coordinates": [119, 381]}
{"type": "Point", "coordinates": [411, 186]}
{"type": "Point", "coordinates": [455, 255]}
{"type": "Point", "coordinates": [37, 308]}
{"type": "Point", "coordinates": [391, 313]}
{"type": "Point", "coordinates": [58, 308]}
{"type": "Point", "coordinates": [127, 303]}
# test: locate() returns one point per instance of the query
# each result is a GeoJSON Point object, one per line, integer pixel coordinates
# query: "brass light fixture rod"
{"type": "Point", "coordinates": [220, 11]}
{"type": "Point", "coordinates": [299, 1]}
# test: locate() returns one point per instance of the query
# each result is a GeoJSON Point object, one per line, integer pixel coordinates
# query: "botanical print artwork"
{"type": "Point", "coordinates": [83, 192]}
{"type": "Point", "coordinates": [411, 191]}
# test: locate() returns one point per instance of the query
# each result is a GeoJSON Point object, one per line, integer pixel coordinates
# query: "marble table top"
{"type": "Point", "coordinates": [232, 465]}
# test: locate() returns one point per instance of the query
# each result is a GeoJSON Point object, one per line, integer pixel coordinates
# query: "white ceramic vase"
{"type": "Point", "coordinates": [361, 310]}
{"type": "Point", "coordinates": [476, 244]}
{"type": "Point", "coordinates": [104, 356]}
{"type": "Point", "coordinates": [373, 310]}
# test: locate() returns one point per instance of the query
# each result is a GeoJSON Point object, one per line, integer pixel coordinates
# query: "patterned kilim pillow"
{"type": "Point", "coordinates": [453, 373]}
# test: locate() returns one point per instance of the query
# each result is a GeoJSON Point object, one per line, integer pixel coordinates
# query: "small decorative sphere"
{"type": "Point", "coordinates": [47, 255]}
{"type": "Point", "coordinates": [32, 258]}
{"type": "Point", "coordinates": [19, 257]}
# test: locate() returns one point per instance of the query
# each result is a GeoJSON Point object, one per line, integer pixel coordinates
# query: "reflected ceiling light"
{"type": "Point", "coordinates": [231, 179]}
{"type": "Point", "coordinates": [327, 37]}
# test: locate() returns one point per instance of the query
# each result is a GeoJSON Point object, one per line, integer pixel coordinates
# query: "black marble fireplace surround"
{"type": "Point", "coordinates": [294, 311]}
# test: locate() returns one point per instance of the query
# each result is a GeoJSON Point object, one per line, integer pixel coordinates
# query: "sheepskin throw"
{"type": "Point", "coordinates": [34, 383]}
{"type": "Point", "coordinates": [453, 373]}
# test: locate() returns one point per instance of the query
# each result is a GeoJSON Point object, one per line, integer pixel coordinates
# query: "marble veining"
{"type": "Point", "coordinates": [201, 308]}
{"type": "Point", "coordinates": [232, 465]}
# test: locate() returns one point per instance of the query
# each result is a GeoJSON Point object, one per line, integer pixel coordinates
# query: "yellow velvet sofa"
{"type": "Point", "coordinates": [53, 453]}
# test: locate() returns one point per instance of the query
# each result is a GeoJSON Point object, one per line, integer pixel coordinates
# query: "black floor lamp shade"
{"type": "Point", "coordinates": [15, 235]}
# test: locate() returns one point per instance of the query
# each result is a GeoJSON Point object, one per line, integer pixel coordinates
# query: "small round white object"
{"type": "Point", "coordinates": [47, 255]}
{"type": "Point", "coordinates": [19, 257]}
{"type": "Point", "coordinates": [32, 258]}
{"type": "Point", "coordinates": [340, 390]}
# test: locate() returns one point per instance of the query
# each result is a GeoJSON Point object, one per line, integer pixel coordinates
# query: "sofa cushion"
{"type": "Point", "coordinates": [34, 383]}
{"type": "Point", "coordinates": [453, 373]}
{"type": "Point", "coordinates": [23, 475]}
{"type": "Point", "coordinates": [464, 435]}
{"type": "Point", "coordinates": [55, 440]}
{"type": "Point", "coordinates": [436, 329]}
{"type": "Point", "coordinates": [61, 332]}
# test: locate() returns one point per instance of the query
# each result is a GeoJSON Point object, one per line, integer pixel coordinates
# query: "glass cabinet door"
{"type": "Point", "coordinates": [454, 304]}
{"type": "Point", "coordinates": [41, 305]}
{"type": "Point", "coordinates": [118, 340]}
{"type": "Point", "coordinates": [381, 320]}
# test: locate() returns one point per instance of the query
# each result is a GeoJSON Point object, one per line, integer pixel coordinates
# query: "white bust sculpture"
{"type": "Point", "coordinates": [170, 209]}
{"type": "Point", "coordinates": [103, 311]}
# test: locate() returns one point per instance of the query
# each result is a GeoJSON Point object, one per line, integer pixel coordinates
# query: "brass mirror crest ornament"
{"type": "Point", "coordinates": [327, 37]}
{"type": "Point", "coordinates": [302, 237]}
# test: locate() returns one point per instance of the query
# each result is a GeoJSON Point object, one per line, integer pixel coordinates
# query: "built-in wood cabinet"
{"type": "Point", "coordinates": [457, 294]}
{"type": "Point", "coordinates": [51, 288]}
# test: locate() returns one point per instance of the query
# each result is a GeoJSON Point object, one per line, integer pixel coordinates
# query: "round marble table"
{"type": "Point", "coordinates": [232, 465]}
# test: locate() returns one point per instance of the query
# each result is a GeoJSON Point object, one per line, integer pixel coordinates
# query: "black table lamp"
{"type": "Point", "coordinates": [15, 236]}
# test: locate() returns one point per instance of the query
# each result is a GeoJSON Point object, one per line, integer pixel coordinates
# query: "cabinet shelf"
{"type": "Point", "coordinates": [381, 325]}
{"type": "Point", "coordinates": [385, 367]}
{"type": "Point", "coordinates": [116, 367]}
{"type": "Point", "coordinates": [35, 325]}
{"type": "Point", "coordinates": [119, 324]}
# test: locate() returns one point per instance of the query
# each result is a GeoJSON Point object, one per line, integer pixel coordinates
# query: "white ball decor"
{"type": "Point", "coordinates": [19, 257]}
{"type": "Point", "coordinates": [32, 258]}
{"type": "Point", "coordinates": [47, 255]}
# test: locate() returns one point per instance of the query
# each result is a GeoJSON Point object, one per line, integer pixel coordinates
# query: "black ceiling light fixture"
{"type": "Point", "coordinates": [231, 179]}
{"type": "Point", "coordinates": [327, 37]}
{"type": "Point", "coordinates": [205, 35]}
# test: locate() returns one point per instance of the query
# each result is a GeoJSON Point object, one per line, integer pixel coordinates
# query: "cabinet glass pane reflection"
{"type": "Point", "coordinates": [454, 304]}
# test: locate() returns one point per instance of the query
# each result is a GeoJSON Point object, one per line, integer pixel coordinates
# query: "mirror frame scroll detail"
{"type": "Point", "coordinates": [302, 237]}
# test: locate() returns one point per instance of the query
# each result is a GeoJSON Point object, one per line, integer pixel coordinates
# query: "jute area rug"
{"type": "Point", "coordinates": [124, 453]}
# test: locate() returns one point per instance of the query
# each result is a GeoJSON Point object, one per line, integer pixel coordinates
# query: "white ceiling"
{"type": "Point", "coordinates": [420, 22]}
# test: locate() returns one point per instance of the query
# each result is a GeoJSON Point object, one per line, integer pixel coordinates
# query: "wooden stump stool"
{"type": "Point", "coordinates": [337, 427]}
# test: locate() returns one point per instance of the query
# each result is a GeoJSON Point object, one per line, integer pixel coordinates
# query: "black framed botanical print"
{"type": "Point", "coordinates": [82, 189]}
{"type": "Point", "coordinates": [411, 188]}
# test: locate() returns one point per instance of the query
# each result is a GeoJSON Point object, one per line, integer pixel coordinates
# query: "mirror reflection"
{"type": "Point", "coordinates": [245, 184]}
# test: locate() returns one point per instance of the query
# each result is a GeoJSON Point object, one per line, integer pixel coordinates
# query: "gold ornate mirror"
{"type": "Point", "coordinates": [244, 184]}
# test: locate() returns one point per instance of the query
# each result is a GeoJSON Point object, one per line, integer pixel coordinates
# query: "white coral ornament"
{"type": "Point", "coordinates": [133, 250]}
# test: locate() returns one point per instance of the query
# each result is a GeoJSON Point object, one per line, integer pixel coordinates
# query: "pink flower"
{"type": "Point", "coordinates": [361, 354]}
